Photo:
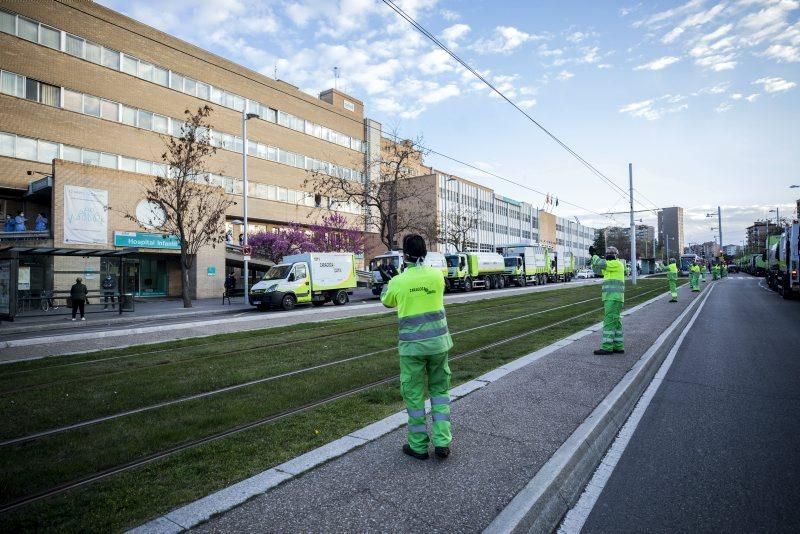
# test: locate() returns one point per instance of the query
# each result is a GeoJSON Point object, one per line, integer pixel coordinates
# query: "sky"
{"type": "Point", "coordinates": [701, 97]}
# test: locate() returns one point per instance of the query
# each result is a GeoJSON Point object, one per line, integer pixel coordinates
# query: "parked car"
{"type": "Point", "coordinates": [585, 273]}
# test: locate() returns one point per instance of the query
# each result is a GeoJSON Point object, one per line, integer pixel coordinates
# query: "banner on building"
{"type": "Point", "coordinates": [85, 215]}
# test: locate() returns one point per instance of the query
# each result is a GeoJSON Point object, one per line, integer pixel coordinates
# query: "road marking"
{"type": "Point", "coordinates": [575, 519]}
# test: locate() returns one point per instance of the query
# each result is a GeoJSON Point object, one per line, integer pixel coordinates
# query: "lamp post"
{"type": "Point", "coordinates": [446, 222]}
{"type": "Point", "coordinates": [246, 275]}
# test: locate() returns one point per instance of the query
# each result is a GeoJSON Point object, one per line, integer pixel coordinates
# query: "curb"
{"type": "Point", "coordinates": [543, 502]}
{"type": "Point", "coordinates": [203, 509]}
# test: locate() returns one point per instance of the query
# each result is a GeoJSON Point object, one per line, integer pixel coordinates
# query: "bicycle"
{"type": "Point", "coordinates": [48, 302]}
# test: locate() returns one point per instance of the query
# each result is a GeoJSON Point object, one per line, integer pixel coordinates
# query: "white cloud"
{"type": "Point", "coordinates": [527, 104]}
{"type": "Point", "coordinates": [669, 14]}
{"type": "Point", "coordinates": [504, 41]}
{"type": "Point", "coordinates": [659, 63]}
{"type": "Point", "coordinates": [752, 98]}
{"type": "Point", "coordinates": [449, 15]}
{"type": "Point", "coordinates": [717, 62]}
{"type": "Point", "coordinates": [454, 33]}
{"type": "Point", "coordinates": [737, 96]}
{"type": "Point", "coordinates": [672, 35]}
{"type": "Point", "coordinates": [719, 32]}
{"type": "Point", "coordinates": [655, 108]}
{"type": "Point", "coordinates": [781, 53]}
{"type": "Point", "coordinates": [435, 62]}
{"type": "Point", "coordinates": [577, 37]}
{"type": "Point", "coordinates": [546, 51]}
{"type": "Point", "coordinates": [564, 75]}
{"type": "Point", "coordinates": [604, 66]}
{"type": "Point", "coordinates": [723, 107]}
{"type": "Point", "coordinates": [775, 85]}
{"type": "Point", "coordinates": [442, 93]}
{"type": "Point", "coordinates": [300, 14]}
{"type": "Point", "coordinates": [590, 55]}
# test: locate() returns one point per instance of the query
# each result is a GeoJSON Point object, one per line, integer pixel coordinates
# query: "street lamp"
{"type": "Point", "coordinates": [793, 186]}
{"type": "Point", "coordinates": [245, 117]}
{"type": "Point", "coordinates": [446, 222]}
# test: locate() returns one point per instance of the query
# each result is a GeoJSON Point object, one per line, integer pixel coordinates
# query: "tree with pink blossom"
{"type": "Point", "coordinates": [336, 234]}
{"type": "Point", "coordinates": [275, 245]}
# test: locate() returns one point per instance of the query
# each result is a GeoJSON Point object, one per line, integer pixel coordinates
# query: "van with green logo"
{"type": "Point", "coordinates": [315, 277]}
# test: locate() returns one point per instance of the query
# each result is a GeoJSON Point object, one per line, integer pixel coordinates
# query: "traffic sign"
{"type": "Point", "coordinates": [247, 250]}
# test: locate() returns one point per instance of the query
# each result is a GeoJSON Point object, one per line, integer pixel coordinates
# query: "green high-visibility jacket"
{"type": "Point", "coordinates": [695, 269]}
{"type": "Point", "coordinates": [613, 272]}
{"type": "Point", "coordinates": [672, 271]}
{"type": "Point", "coordinates": [418, 295]}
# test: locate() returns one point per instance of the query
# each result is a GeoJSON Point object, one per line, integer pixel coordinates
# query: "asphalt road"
{"type": "Point", "coordinates": [718, 449]}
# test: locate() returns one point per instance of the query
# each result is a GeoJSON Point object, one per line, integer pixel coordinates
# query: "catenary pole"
{"type": "Point", "coordinates": [633, 227]}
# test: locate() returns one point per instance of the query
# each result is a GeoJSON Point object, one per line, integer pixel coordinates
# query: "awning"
{"type": "Point", "coordinates": [50, 251]}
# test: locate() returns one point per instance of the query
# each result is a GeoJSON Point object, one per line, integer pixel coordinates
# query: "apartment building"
{"type": "Point", "coordinates": [86, 97]}
{"type": "Point", "coordinates": [670, 228]}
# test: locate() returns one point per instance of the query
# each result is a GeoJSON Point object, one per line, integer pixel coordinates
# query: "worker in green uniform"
{"type": "Point", "coordinates": [694, 276]}
{"type": "Point", "coordinates": [672, 277]}
{"type": "Point", "coordinates": [613, 272]}
{"type": "Point", "coordinates": [702, 270]}
{"type": "Point", "coordinates": [715, 271]}
{"type": "Point", "coordinates": [424, 340]}
{"type": "Point", "coordinates": [723, 270]}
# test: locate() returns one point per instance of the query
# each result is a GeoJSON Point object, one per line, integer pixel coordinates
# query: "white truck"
{"type": "Point", "coordinates": [395, 259]}
{"type": "Point", "coordinates": [526, 264]}
{"type": "Point", "coordinates": [475, 270]}
{"type": "Point", "coordinates": [315, 277]}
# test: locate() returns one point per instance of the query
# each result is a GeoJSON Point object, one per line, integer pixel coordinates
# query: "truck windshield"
{"type": "Point", "coordinates": [383, 263]}
{"type": "Point", "coordinates": [452, 261]}
{"type": "Point", "coordinates": [511, 262]}
{"type": "Point", "coordinates": [277, 272]}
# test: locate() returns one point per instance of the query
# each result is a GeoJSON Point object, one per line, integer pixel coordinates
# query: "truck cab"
{"type": "Point", "coordinates": [394, 258]}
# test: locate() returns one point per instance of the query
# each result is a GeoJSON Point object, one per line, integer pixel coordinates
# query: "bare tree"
{"type": "Point", "coordinates": [392, 204]}
{"type": "Point", "coordinates": [186, 201]}
{"type": "Point", "coordinates": [458, 225]}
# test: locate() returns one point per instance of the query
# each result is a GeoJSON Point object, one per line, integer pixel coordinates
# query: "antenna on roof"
{"type": "Point", "coordinates": [275, 72]}
{"type": "Point", "coordinates": [336, 78]}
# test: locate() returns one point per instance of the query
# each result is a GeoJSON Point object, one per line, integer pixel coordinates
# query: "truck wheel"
{"type": "Point", "coordinates": [784, 290]}
{"type": "Point", "coordinates": [490, 282]}
{"type": "Point", "coordinates": [340, 298]}
{"type": "Point", "coordinates": [467, 284]}
{"type": "Point", "coordinates": [501, 282]}
{"type": "Point", "coordinates": [288, 302]}
{"type": "Point", "coordinates": [522, 282]}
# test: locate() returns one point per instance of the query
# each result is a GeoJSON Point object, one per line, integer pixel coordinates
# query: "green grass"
{"type": "Point", "coordinates": [127, 499]}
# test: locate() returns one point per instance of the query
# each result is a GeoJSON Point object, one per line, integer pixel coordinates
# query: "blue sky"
{"type": "Point", "coordinates": [701, 96]}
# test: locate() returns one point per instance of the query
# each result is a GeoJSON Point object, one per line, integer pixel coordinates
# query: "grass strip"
{"type": "Point", "coordinates": [130, 498]}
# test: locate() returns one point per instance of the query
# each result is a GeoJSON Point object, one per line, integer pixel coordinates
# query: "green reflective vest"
{"type": "Point", "coordinates": [695, 269]}
{"type": "Point", "coordinates": [418, 295]}
{"type": "Point", "coordinates": [613, 272]}
{"type": "Point", "coordinates": [672, 271]}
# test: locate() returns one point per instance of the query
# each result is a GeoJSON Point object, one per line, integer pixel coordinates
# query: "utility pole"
{"type": "Point", "coordinates": [719, 223]}
{"type": "Point", "coordinates": [633, 227]}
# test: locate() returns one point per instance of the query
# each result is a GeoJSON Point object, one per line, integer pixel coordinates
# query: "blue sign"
{"type": "Point", "coordinates": [212, 271]}
{"type": "Point", "coordinates": [145, 240]}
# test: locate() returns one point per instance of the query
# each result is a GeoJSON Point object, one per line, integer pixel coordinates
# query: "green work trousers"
{"type": "Point", "coordinates": [413, 371]}
{"type": "Point", "coordinates": [673, 288]}
{"type": "Point", "coordinates": [612, 326]}
{"type": "Point", "coordinates": [694, 278]}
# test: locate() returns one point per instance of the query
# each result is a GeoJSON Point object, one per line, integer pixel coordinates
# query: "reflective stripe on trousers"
{"type": "Point", "coordinates": [413, 371]}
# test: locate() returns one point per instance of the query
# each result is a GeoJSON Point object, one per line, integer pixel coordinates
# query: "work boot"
{"type": "Point", "coordinates": [442, 452]}
{"type": "Point", "coordinates": [411, 452]}
{"type": "Point", "coordinates": [619, 351]}
{"type": "Point", "coordinates": [603, 352]}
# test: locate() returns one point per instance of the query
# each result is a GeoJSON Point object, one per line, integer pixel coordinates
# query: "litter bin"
{"type": "Point", "coordinates": [126, 302]}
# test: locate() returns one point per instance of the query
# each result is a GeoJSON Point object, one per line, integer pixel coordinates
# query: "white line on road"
{"type": "Point", "coordinates": [577, 516]}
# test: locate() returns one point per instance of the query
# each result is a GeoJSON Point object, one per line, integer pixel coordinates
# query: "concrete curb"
{"type": "Point", "coordinates": [541, 504]}
{"type": "Point", "coordinates": [201, 510]}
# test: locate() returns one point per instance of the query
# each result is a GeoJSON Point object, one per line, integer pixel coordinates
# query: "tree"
{"type": "Point", "coordinates": [336, 234]}
{"type": "Point", "coordinates": [458, 225]}
{"type": "Point", "coordinates": [392, 204]}
{"type": "Point", "coordinates": [274, 246]}
{"type": "Point", "coordinates": [599, 242]}
{"type": "Point", "coordinates": [186, 202]}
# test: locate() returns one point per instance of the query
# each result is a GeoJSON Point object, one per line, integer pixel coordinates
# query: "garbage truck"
{"type": "Point", "coordinates": [772, 270]}
{"type": "Point", "coordinates": [788, 279]}
{"type": "Point", "coordinates": [394, 258]}
{"type": "Point", "coordinates": [564, 268]}
{"type": "Point", "coordinates": [475, 270]}
{"type": "Point", "coordinates": [315, 277]}
{"type": "Point", "coordinates": [526, 264]}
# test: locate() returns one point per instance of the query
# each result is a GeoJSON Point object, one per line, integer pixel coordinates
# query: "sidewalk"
{"type": "Point", "coordinates": [156, 308]}
{"type": "Point", "coordinates": [504, 433]}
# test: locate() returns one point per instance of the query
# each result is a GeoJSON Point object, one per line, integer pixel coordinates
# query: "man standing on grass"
{"type": "Point", "coordinates": [613, 272]}
{"type": "Point", "coordinates": [418, 295]}
{"type": "Point", "coordinates": [672, 278]}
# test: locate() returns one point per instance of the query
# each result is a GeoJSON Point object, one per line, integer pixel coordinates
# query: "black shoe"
{"type": "Point", "coordinates": [411, 452]}
{"type": "Point", "coordinates": [619, 351]}
{"type": "Point", "coordinates": [603, 352]}
{"type": "Point", "coordinates": [442, 452]}
{"type": "Point", "coordinates": [673, 300]}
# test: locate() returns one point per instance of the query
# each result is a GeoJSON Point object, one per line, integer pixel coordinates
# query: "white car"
{"type": "Point", "coordinates": [584, 273]}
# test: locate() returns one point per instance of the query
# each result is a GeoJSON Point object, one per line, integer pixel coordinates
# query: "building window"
{"type": "Point", "coordinates": [129, 115]}
{"type": "Point", "coordinates": [145, 120]}
{"type": "Point", "coordinates": [7, 22]}
{"type": "Point", "coordinates": [50, 38]}
{"type": "Point", "coordinates": [109, 110]}
{"type": "Point", "coordinates": [12, 84]}
{"type": "Point", "coordinates": [91, 105]}
{"type": "Point", "coordinates": [27, 29]}
{"type": "Point", "coordinates": [349, 106]}
{"type": "Point", "coordinates": [111, 59]}
{"type": "Point", "coordinates": [74, 45]}
{"type": "Point", "coordinates": [25, 148]}
{"type": "Point", "coordinates": [94, 53]}
{"type": "Point", "coordinates": [47, 151]}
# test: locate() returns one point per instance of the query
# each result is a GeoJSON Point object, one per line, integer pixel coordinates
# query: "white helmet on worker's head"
{"type": "Point", "coordinates": [612, 251]}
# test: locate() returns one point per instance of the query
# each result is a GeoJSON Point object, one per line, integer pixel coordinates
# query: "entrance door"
{"type": "Point", "coordinates": [130, 276]}
{"type": "Point", "coordinates": [153, 277]}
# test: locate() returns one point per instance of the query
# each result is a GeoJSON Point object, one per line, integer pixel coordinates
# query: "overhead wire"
{"type": "Point", "coordinates": [344, 116]}
{"type": "Point", "coordinates": [622, 192]}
